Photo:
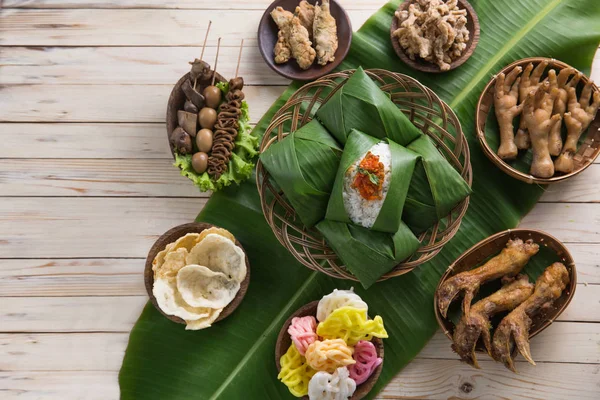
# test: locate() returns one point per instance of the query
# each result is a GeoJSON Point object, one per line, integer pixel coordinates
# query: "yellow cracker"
{"type": "Point", "coordinates": [216, 231]}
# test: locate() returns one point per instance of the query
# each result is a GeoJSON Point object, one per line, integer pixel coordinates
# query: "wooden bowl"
{"type": "Point", "coordinates": [284, 341]}
{"type": "Point", "coordinates": [425, 66]}
{"type": "Point", "coordinates": [177, 99]}
{"type": "Point", "coordinates": [422, 106]}
{"type": "Point", "coordinates": [169, 237]}
{"type": "Point", "coordinates": [491, 246]}
{"type": "Point", "coordinates": [267, 37]}
{"type": "Point", "coordinates": [589, 143]}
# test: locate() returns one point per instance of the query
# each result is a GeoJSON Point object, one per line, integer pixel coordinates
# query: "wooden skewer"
{"type": "Point", "coordinates": [205, 39]}
{"type": "Point", "coordinates": [239, 59]}
{"type": "Point", "coordinates": [216, 59]}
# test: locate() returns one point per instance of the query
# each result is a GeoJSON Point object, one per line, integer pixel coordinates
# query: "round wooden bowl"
{"type": "Point", "coordinates": [267, 37]}
{"type": "Point", "coordinates": [177, 99]}
{"type": "Point", "coordinates": [425, 66]}
{"type": "Point", "coordinates": [589, 143]}
{"type": "Point", "coordinates": [284, 341]}
{"type": "Point", "coordinates": [491, 246]}
{"type": "Point", "coordinates": [426, 111]}
{"type": "Point", "coordinates": [169, 237]}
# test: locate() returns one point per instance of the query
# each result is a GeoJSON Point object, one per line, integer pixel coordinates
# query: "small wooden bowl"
{"type": "Point", "coordinates": [284, 341]}
{"type": "Point", "coordinates": [492, 246]}
{"type": "Point", "coordinates": [267, 37]}
{"type": "Point", "coordinates": [177, 99]}
{"type": "Point", "coordinates": [425, 66]}
{"type": "Point", "coordinates": [587, 151]}
{"type": "Point", "coordinates": [169, 237]}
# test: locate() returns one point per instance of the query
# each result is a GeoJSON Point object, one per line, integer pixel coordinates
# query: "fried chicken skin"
{"type": "Point", "coordinates": [282, 50]}
{"type": "Point", "coordinates": [509, 262]}
{"type": "Point", "coordinates": [325, 34]}
{"type": "Point", "coordinates": [477, 323]}
{"type": "Point", "coordinates": [548, 287]}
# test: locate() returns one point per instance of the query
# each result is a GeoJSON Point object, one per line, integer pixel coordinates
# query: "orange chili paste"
{"type": "Point", "coordinates": [369, 177]}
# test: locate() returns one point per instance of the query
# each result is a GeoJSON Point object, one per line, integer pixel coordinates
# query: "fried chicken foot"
{"type": "Point", "coordinates": [509, 262]}
{"type": "Point", "coordinates": [470, 328]}
{"type": "Point", "coordinates": [325, 34]}
{"type": "Point", "coordinates": [548, 287]}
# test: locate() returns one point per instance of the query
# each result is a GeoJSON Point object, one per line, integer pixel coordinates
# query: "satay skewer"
{"type": "Point", "coordinates": [216, 60]}
{"type": "Point", "coordinates": [237, 68]}
{"type": "Point", "coordinates": [201, 59]}
{"type": "Point", "coordinates": [205, 39]}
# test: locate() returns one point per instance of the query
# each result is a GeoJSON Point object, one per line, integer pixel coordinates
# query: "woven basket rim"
{"type": "Point", "coordinates": [491, 154]}
{"type": "Point", "coordinates": [432, 240]}
{"type": "Point", "coordinates": [447, 326]}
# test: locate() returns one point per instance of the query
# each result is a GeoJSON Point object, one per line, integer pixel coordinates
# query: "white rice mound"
{"type": "Point", "coordinates": [361, 211]}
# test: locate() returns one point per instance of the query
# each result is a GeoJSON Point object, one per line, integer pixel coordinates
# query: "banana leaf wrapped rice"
{"type": "Point", "coordinates": [390, 184]}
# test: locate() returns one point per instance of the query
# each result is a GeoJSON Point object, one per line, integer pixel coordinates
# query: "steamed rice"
{"type": "Point", "coordinates": [361, 211]}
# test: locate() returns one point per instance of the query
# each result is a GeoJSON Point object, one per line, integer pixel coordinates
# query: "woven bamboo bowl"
{"type": "Point", "coordinates": [490, 247]}
{"type": "Point", "coordinates": [169, 237]}
{"type": "Point", "coordinates": [427, 112]}
{"type": "Point", "coordinates": [589, 143]}
{"type": "Point", "coordinates": [284, 341]}
{"type": "Point", "coordinates": [426, 66]}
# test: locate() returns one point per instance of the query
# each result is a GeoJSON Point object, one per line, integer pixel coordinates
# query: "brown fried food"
{"type": "Point", "coordinates": [477, 323]}
{"type": "Point", "coordinates": [306, 14]}
{"type": "Point", "coordinates": [325, 34]}
{"type": "Point", "coordinates": [509, 262]}
{"type": "Point", "coordinates": [548, 287]}
{"type": "Point", "coordinates": [282, 50]}
{"type": "Point", "coordinates": [300, 44]}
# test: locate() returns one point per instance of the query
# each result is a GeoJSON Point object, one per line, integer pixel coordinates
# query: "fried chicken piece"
{"type": "Point", "coordinates": [282, 50]}
{"type": "Point", "coordinates": [548, 287]}
{"type": "Point", "coordinates": [506, 96]}
{"type": "Point", "coordinates": [306, 14]}
{"type": "Point", "coordinates": [509, 262]}
{"type": "Point", "coordinates": [470, 328]}
{"type": "Point", "coordinates": [325, 34]}
{"type": "Point", "coordinates": [300, 44]}
{"type": "Point", "coordinates": [529, 81]}
{"type": "Point", "coordinates": [580, 116]}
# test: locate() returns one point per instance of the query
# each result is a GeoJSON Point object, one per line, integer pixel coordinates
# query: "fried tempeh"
{"type": "Point", "coordinates": [548, 287]}
{"type": "Point", "coordinates": [477, 323]}
{"type": "Point", "coordinates": [509, 262]}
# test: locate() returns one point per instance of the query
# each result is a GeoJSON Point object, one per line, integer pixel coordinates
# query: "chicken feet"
{"type": "Point", "coordinates": [470, 328]}
{"type": "Point", "coordinates": [548, 287]}
{"type": "Point", "coordinates": [509, 262]}
{"type": "Point", "coordinates": [506, 96]}
{"type": "Point", "coordinates": [529, 81]}
{"type": "Point", "coordinates": [561, 85]}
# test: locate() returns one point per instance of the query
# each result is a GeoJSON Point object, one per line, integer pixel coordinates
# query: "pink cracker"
{"type": "Point", "coordinates": [366, 361]}
{"type": "Point", "coordinates": [303, 332]}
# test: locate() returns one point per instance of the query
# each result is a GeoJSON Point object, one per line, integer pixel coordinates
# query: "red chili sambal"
{"type": "Point", "coordinates": [369, 177]}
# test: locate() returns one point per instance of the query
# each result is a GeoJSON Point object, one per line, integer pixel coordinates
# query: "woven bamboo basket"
{"type": "Point", "coordinates": [491, 246]}
{"type": "Point", "coordinates": [589, 143]}
{"type": "Point", "coordinates": [171, 236]}
{"type": "Point", "coordinates": [284, 342]}
{"type": "Point", "coordinates": [427, 112]}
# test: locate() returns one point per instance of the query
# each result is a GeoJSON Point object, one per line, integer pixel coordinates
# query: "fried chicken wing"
{"type": "Point", "coordinates": [306, 14]}
{"type": "Point", "coordinates": [548, 287]}
{"type": "Point", "coordinates": [509, 262]}
{"type": "Point", "coordinates": [477, 323]}
{"type": "Point", "coordinates": [282, 50]}
{"type": "Point", "coordinates": [325, 34]}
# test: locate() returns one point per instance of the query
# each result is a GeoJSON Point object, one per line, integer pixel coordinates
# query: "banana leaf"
{"type": "Point", "coordinates": [361, 105]}
{"type": "Point", "coordinates": [366, 253]}
{"type": "Point", "coordinates": [304, 166]}
{"type": "Point", "coordinates": [235, 358]}
{"type": "Point", "coordinates": [402, 165]}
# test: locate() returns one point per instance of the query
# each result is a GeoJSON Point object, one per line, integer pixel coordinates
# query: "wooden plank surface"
{"type": "Point", "coordinates": [86, 186]}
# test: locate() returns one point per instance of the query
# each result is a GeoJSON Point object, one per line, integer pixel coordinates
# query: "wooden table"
{"type": "Point", "coordinates": [86, 186]}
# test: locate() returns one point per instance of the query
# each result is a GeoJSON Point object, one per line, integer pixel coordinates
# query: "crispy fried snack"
{"type": "Point", "coordinates": [580, 116]}
{"type": "Point", "coordinates": [470, 328]}
{"type": "Point", "coordinates": [300, 44]}
{"type": "Point", "coordinates": [325, 34]}
{"type": "Point", "coordinates": [560, 85]}
{"type": "Point", "coordinates": [509, 262]}
{"type": "Point", "coordinates": [529, 81]}
{"type": "Point", "coordinates": [548, 287]}
{"type": "Point", "coordinates": [306, 14]}
{"type": "Point", "coordinates": [282, 50]}
{"type": "Point", "coordinates": [506, 96]}
{"type": "Point", "coordinates": [537, 112]}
